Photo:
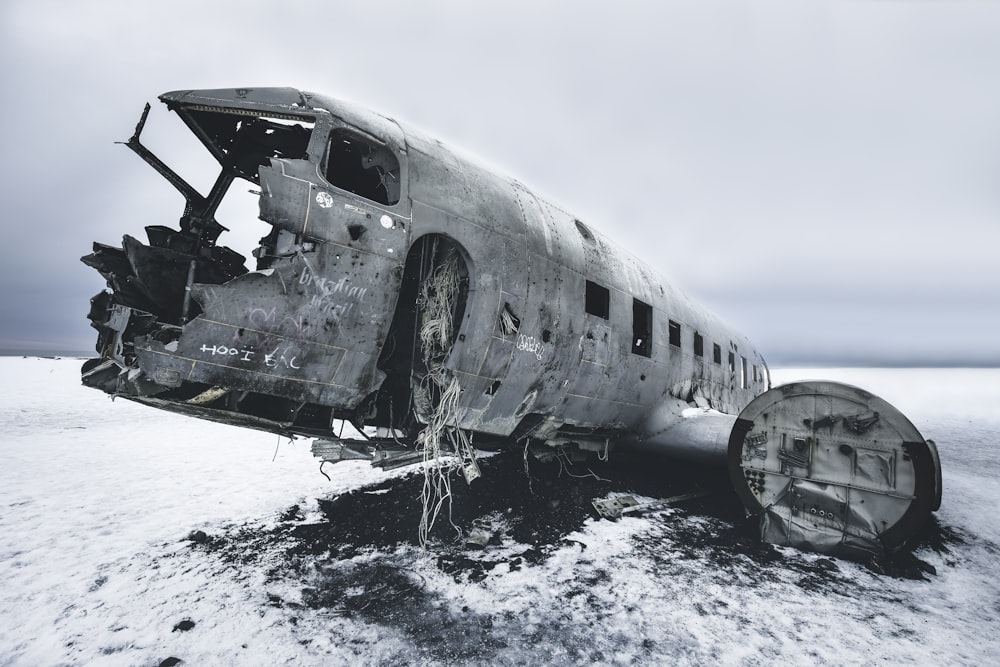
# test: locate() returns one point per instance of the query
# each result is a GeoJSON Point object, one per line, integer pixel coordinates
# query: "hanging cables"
{"type": "Point", "coordinates": [444, 445]}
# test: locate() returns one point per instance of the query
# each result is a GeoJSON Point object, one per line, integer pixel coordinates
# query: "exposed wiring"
{"type": "Point", "coordinates": [565, 463]}
{"type": "Point", "coordinates": [508, 324]}
{"type": "Point", "coordinates": [444, 445]}
{"type": "Point", "coordinates": [603, 456]}
{"type": "Point", "coordinates": [527, 473]}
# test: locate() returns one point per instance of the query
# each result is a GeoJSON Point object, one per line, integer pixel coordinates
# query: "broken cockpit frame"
{"type": "Point", "coordinates": [293, 344]}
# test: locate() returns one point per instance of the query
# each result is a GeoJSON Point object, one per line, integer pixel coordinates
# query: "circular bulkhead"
{"type": "Point", "coordinates": [829, 467]}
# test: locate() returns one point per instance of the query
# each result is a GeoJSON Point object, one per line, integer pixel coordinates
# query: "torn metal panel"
{"type": "Point", "coordinates": [481, 533]}
{"type": "Point", "coordinates": [613, 507]}
{"type": "Point", "coordinates": [617, 506]}
{"type": "Point", "coordinates": [342, 450]}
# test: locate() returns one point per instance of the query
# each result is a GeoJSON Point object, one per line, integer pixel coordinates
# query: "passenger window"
{"type": "Point", "coordinates": [716, 353]}
{"type": "Point", "coordinates": [598, 300]}
{"type": "Point", "coordinates": [699, 345]}
{"type": "Point", "coordinates": [362, 167]}
{"type": "Point", "coordinates": [675, 334]}
{"type": "Point", "coordinates": [642, 328]}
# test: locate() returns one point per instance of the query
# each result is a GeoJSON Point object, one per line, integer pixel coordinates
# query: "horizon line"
{"type": "Point", "coordinates": [790, 363]}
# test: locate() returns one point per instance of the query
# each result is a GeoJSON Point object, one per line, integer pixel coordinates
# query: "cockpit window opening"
{"type": "Point", "coordinates": [598, 300]}
{"type": "Point", "coordinates": [642, 328]}
{"type": "Point", "coordinates": [362, 167]}
{"type": "Point", "coordinates": [243, 141]}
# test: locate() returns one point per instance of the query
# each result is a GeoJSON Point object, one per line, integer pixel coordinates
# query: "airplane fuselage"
{"type": "Point", "coordinates": [558, 330]}
{"type": "Point", "coordinates": [407, 288]}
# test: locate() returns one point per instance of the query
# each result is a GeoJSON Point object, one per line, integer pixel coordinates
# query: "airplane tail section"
{"type": "Point", "coordinates": [827, 467]}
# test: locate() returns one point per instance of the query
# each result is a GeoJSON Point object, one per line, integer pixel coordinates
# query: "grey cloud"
{"type": "Point", "coordinates": [784, 162]}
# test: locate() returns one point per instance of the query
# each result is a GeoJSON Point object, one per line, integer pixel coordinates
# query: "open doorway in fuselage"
{"type": "Point", "coordinates": [426, 325]}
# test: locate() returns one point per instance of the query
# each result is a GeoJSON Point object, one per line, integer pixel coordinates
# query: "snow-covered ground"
{"type": "Point", "coordinates": [98, 500]}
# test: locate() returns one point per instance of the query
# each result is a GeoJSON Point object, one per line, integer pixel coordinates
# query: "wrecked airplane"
{"type": "Point", "coordinates": [427, 301]}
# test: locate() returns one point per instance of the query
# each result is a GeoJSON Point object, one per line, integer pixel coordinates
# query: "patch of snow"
{"type": "Point", "coordinates": [99, 499]}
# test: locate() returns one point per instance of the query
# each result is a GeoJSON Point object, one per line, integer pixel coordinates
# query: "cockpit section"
{"type": "Point", "coordinates": [289, 339]}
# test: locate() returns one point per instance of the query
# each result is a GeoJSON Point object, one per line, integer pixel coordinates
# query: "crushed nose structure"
{"type": "Point", "coordinates": [410, 291]}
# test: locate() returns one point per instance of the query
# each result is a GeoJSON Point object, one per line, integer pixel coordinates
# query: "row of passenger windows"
{"type": "Point", "coordinates": [598, 302]}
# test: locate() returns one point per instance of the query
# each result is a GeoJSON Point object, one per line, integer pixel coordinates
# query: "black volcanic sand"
{"type": "Point", "coordinates": [379, 523]}
{"type": "Point", "coordinates": [538, 514]}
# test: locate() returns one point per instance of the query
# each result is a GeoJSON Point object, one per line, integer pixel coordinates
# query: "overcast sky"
{"type": "Point", "coordinates": [823, 175]}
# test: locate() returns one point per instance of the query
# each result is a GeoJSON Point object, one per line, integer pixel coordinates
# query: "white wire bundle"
{"type": "Point", "coordinates": [438, 294]}
{"type": "Point", "coordinates": [442, 443]}
{"type": "Point", "coordinates": [438, 441]}
{"type": "Point", "coordinates": [508, 325]}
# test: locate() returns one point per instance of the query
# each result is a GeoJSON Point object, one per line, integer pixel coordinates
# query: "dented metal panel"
{"type": "Point", "coordinates": [832, 468]}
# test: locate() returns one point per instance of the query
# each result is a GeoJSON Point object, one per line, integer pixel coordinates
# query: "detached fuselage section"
{"type": "Point", "coordinates": [406, 288]}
